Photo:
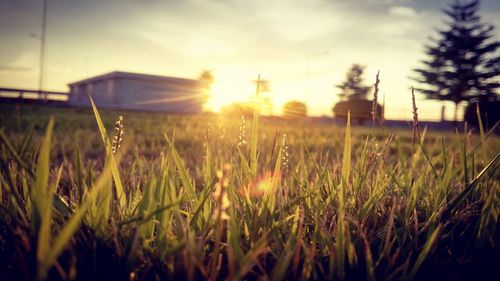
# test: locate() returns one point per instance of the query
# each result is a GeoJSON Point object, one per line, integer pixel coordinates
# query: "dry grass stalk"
{"type": "Point", "coordinates": [416, 127]}
{"type": "Point", "coordinates": [382, 119]}
{"type": "Point", "coordinates": [375, 99]}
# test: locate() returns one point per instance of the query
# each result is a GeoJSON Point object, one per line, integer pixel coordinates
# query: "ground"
{"type": "Point", "coordinates": [212, 197]}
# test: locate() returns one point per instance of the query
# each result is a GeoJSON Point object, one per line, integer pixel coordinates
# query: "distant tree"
{"type": "Point", "coordinates": [462, 64]}
{"type": "Point", "coordinates": [295, 109]}
{"type": "Point", "coordinates": [353, 88]}
{"type": "Point", "coordinates": [354, 94]}
{"type": "Point", "coordinates": [238, 109]}
{"type": "Point", "coordinates": [206, 80]}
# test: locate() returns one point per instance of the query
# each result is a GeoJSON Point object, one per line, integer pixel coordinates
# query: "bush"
{"type": "Point", "coordinates": [295, 109]}
{"type": "Point", "coordinates": [238, 109]}
{"type": "Point", "coordinates": [361, 110]}
{"type": "Point", "coordinates": [490, 113]}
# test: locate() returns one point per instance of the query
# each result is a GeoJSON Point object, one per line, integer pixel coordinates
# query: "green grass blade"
{"type": "Point", "coordinates": [255, 133]}
{"type": "Point", "coordinates": [490, 133]}
{"type": "Point", "coordinates": [74, 222]}
{"type": "Point", "coordinates": [14, 154]}
{"type": "Point", "coordinates": [186, 181]}
{"type": "Point", "coordinates": [44, 235]}
{"type": "Point", "coordinates": [480, 122]}
{"type": "Point", "coordinates": [145, 218]}
{"type": "Point", "coordinates": [489, 216]}
{"type": "Point", "coordinates": [425, 252]}
{"type": "Point", "coordinates": [114, 167]}
{"type": "Point", "coordinates": [39, 195]}
{"type": "Point", "coordinates": [26, 142]}
{"type": "Point", "coordinates": [200, 206]}
{"type": "Point", "coordinates": [470, 187]}
{"type": "Point", "coordinates": [42, 202]}
{"type": "Point", "coordinates": [340, 243]}
{"type": "Point", "coordinates": [346, 160]}
{"type": "Point", "coordinates": [244, 164]}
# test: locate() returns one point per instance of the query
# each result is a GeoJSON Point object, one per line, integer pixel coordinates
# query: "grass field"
{"type": "Point", "coordinates": [212, 197]}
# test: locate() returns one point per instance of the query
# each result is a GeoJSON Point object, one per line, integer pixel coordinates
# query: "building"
{"type": "Point", "coordinates": [134, 91]}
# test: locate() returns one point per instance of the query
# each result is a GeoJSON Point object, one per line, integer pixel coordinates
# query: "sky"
{"type": "Point", "coordinates": [302, 47]}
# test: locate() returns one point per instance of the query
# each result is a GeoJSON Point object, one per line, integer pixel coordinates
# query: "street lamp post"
{"type": "Point", "coordinates": [42, 54]}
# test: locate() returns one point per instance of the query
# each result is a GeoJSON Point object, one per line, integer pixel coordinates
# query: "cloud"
{"type": "Point", "coordinates": [7, 69]}
{"type": "Point", "coordinates": [402, 11]}
{"type": "Point", "coordinates": [24, 62]}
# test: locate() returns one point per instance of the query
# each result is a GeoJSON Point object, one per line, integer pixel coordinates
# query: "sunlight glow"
{"type": "Point", "coordinates": [227, 92]}
{"type": "Point", "coordinates": [234, 89]}
{"type": "Point", "coordinates": [264, 185]}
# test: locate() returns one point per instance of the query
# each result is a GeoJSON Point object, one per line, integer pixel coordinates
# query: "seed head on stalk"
{"type": "Point", "coordinates": [284, 154]}
{"type": "Point", "coordinates": [242, 139]}
{"type": "Point", "coordinates": [220, 194]}
{"type": "Point", "coordinates": [118, 137]}
{"type": "Point", "coordinates": [416, 127]}
{"type": "Point", "coordinates": [416, 132]}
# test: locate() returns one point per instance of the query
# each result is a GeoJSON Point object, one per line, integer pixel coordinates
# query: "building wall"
{"type": "Point", "coordinates": [101, 92]}
{"type": "Point", "coordinates": [158, 96]}
{"type": "Point", "coordinates": [140, 94]}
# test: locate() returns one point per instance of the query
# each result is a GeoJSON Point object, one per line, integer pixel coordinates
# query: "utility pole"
{"type": "Point", "coordinates": [42, 54]}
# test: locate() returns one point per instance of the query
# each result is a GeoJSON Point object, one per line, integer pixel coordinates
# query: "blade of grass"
{"type": "Point", "coordinates": [39, 192]}
{"type": "Point", "coordinates": [181, 168]}
{"type": "Point", "coordinates": [255, 132]}
{"type": "Point", "coordinates": [470, 187]}
{"type": "Point", "coordinates": [480, 122]}
{"type": "Point", "coordinates": [14, 154]}
{"type": "Point", "coordinates": [346, 160]}
{"type": "Point", "coordinates": [74, 222]}
{"type": "Point", "coordinates": [144, 218]}
{"type": "Point", "coordinates": [340, 243]}
{"type": "Point", "coordinates": [114, 167]}
{"type": "Point", "coordinates": [425, 252]}
{"type": "Point", "coordinates": [44, 234]}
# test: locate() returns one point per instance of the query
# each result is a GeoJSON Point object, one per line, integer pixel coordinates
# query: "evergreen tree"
{"type": "Point", "coordinates": [463, 63]}
{"type": "Point", "coordinates": [353, 88]}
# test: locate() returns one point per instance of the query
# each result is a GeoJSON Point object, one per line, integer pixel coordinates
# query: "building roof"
{"type": "Point", "coordinates": [136, 76]}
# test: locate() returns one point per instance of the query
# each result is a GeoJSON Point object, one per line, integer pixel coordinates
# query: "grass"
{"type": "Point", "coordinates": [184, 198]}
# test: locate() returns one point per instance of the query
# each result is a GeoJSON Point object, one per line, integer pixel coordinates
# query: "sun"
{"type": "Point", "coordinates": [226, 92]}
{"type": "Point", "coordinates": [232, 87]}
